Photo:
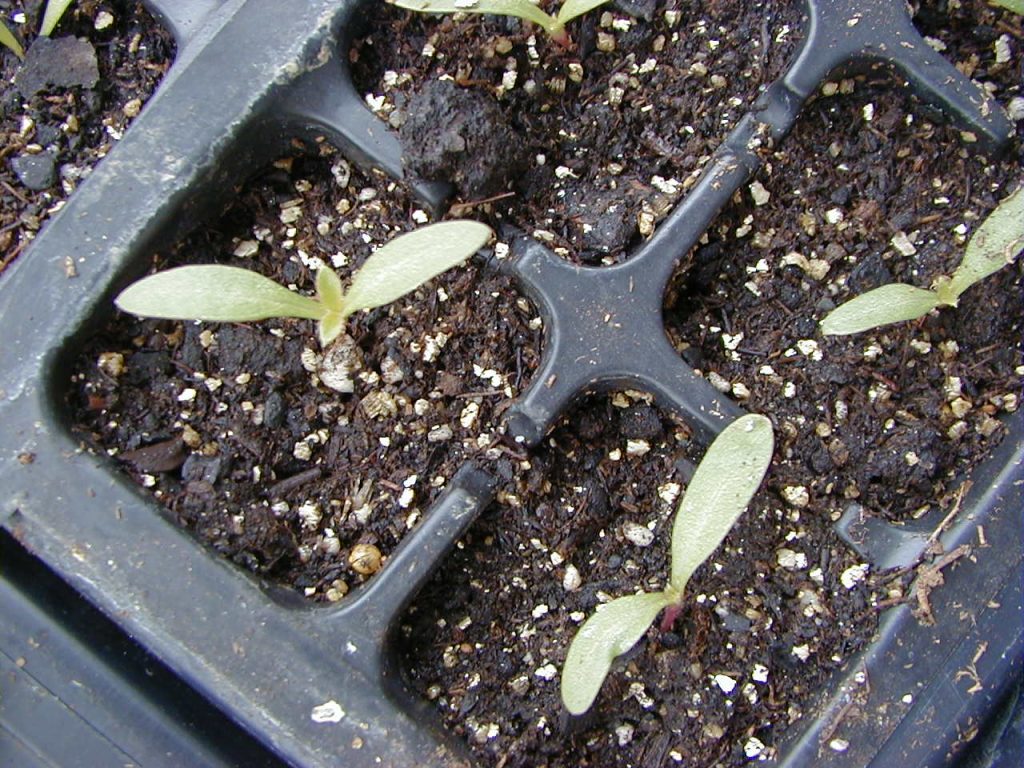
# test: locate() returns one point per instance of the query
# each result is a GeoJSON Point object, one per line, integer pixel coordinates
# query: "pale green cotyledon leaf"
{"type": "Point", "coordinates": [331, 326]}
{"type": "Point", "coordinates": [613, 629]}
{"type": "Point", "coordinates": [8, 40]}
{"type": "Point", "coordinates": [887, 304]}
{"type": "Point", "coordinates": [54, 11]}
{"type": "Point", "coordinates": [408, 261]}
{"type": "Point", "coordinates": [721, 488]}
{"type": "Point", "coordinates": [1017, 6]}
{"type": "Point", "coordinates": [329, 290]}
{"type": "Point", "coordinates": [522, 9]}
{"type": "Point", "coordinates": [330, 293]}
{"type": "Point", "coordinates": [572, 8]}
{"type": "Point", "coordinates": [214, 292]}
{"type": "Point", "coordinates": [996, 243]}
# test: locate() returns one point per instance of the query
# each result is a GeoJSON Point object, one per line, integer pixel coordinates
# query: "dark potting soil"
{"type": "Point", "coordinates": [891, 418]}
{"type": "Point", "coordinates": [63, 109]}
{"type": "Point", "coordinates": [586, 147]}
{"type": "Point", "coordinates": [891, 421]}
{"type": "Point", "coordinates": [768, 618]}
{"type": "Point", "coordinates": [585, 515]}
{"type": "Point", "coordinates": [236, 429]}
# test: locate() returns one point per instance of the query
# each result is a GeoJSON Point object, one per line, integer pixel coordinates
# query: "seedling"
{"type": "Point", "coordinates": [721, 488]}
{"type": "Point", "coordinates": [523, 9]}
{"type": "Point", "coordinates": [9, 41]}
{"type": "Point", "coordinates": [51, 17]}
{"type": "Point", "coordinates": [229, 294]}
{"type": "Point", "coordinates": [996, 243]}
{"type": "Point", "coordinates": [1017, 6]}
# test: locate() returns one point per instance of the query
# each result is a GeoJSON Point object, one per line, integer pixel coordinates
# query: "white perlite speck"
{"type": "Point", "coordinates": [328, 712]}
{"type": "Point", "coordinates": [571, 581]}
{"type": "Point", "coordinates": [726, 683]}
{"type": "Point", "coordinates": [854, 575]}
{"type": "Point", "coordinates": [759, 194]}
{"type": "Point", "coordinates": [547, 672]}
{"type": "Point", "coordinates": [790, 560]}
{"type": "Point", "coordinates": [469, 414]}
{"type": "Point", "coordinates": [719, 382]}
{"type": "Point", "coordinates": [802, 652]}
{"type": "Point", "coordinates": [1015, 109]}
{"type": "Point", "coordinates": [624, 734]}
{"type": "Point", "coordinates": [637, 447]}
{"type": "Point", "coordinates": [839, 745]}
{"type": "Point", "coordinates": [439, 434]}
{"type": "Point", "coordinates": [246, 249]}
{"type": "Point", "coordinates": [809, 348]}
{"type": "Point", "coordinates": [796, 495]}
{"type": "Point", "coordinates": [753, 748]}
{"type": "Point", "coordinates": [309, 514]}
{"type": "Point", "coordinates": [760, 674]}
{"type": "Point", "coordinates": [669, 492]}
{"type": "Point", "coordinates": [901, 242]}
{"type": "Point", "coordinates": [1002, 47]}
{"type": "Point", "coordinates": [637, 534]}
{"type": "Point", "coordinates": [406, 499]}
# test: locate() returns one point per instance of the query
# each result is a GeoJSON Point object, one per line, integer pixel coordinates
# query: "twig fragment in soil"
{"type": "Point", "coordinates": [464, 209]}
{"type": "Point", "coordinates": [929, 576]}
{"type": "Point", "coordinates": [854, 697]}
{"type": "Point", "coordinates": [971, 670]}
{"type": "Point", "coordinates": [290, 484]}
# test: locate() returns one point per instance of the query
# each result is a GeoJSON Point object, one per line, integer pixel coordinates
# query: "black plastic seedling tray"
{"type": "Point", "coordinates": [246, 677]}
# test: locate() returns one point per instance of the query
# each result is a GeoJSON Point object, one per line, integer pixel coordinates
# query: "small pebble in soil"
{"type": "Point", "coordinates": [36, 172]}
{"type": "Point", "coordinates": [791, 560]}
{"type": "Point", "coordinates": [365, 559]}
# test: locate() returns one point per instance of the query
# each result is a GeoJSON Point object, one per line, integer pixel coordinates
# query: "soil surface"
{"type": "Point", "coordinates": [605, 135]}
{"type": "Point", "coordinates": [283, 456]}
{"type": "Point", "coordinates": [233, 428]}
{"type": "Point", "coordinates": [891, 421]}
{"type": "Point", "coordinates": [589, 521]}
{"type": "Point", "coordinates": [63, 109]}
{"type": "Point", "coordinates": [892, 417]}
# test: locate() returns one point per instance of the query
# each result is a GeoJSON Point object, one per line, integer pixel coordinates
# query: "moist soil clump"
{"type": "Point", "coordinates": [612, 131]}
{"type": "Point", "coordinates": [270, 449]}
{"type": "Point", "coordinates": [65, 107]}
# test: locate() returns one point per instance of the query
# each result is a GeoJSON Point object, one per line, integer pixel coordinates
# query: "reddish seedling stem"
{"type": "Point", "coordinates": [668, 619]}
